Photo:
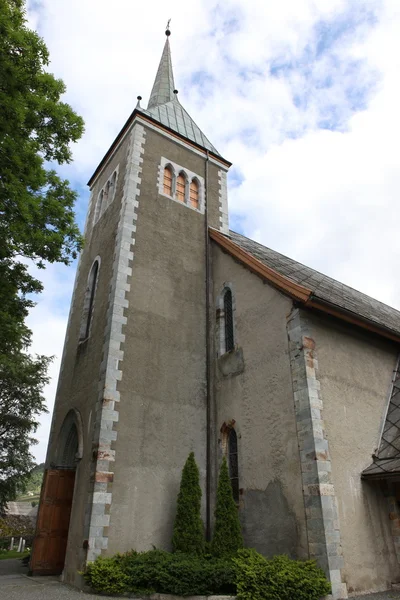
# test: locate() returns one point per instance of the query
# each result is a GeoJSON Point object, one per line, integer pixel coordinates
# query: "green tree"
{"type": "Point", "coordinates": [227, 538]}
{"type": "Point", "coordinates": [37, 224]}
{"type": "Point", "coordinates": [188, 528]}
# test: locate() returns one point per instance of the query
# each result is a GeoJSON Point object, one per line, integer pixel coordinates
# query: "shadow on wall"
{"type": "Point", "coordinates": [268, 524]}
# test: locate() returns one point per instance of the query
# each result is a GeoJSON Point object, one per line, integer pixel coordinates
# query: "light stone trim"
{"type": "Point", "coordinates": [189, 176]}
{"type": "Point", "coordinates": [223, 202]}
{"type": "Point", "coordinates": [220, 317]}
{"type": "Point", "coordinates": [110, 371]}
{"type": "Point", "coordinates": [66, 339]}
{"type": "Point", "coordinates": [322, 519]}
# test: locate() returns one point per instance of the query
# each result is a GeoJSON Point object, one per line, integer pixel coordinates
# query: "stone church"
{"type": "Point", "coordinates": [185, 336]}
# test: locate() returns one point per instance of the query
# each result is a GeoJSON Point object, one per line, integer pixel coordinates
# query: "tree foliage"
{"type": "Point", "coordinates": [227, 538]}
{"type": "Point", "coordinates": [37, 224]}
{"type": "Point", "coordinates": [188, 534]}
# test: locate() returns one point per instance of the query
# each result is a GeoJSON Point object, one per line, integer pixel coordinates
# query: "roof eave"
{"type": "Point", "coordinates": [297, 292]}
{"type": "Point", "coordinates": [128, 123]}
{"type": "Point", "coordinates": [350, 317]}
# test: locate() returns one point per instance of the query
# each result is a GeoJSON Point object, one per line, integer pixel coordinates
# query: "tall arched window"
{"type": "Point", "coordinates": [168, 181]}
{"type": "Point", "coordinates": [228, 318]}
{"type": "Point", "coordinates": [233, 464]}
{"type": "Point", "coordinates": [89, 301]}
{"type": "Point", "coordinates": [180, 187]}
{"type": "Point", "coordinates": [194, 193]}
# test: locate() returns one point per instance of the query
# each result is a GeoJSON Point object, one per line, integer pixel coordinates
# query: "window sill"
{"type": "Point", "coordinates": [231, 363]}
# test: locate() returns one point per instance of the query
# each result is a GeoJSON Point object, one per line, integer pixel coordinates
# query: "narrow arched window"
{"type": "Point", "coordinates": [233, 464]}
{"type": "Point", "coordinates": [89, 301]}
{"type": "Point", "coordinates": [180, 187]}
{"type": "Point", "coordinates": [194, 194]}
{"type": "Point", "coordinates": [111, 191]}
{"type": "Point", "coordinates": [106, 197]}
{"type": "Point", "coordinates": [168, 181]}
{"type": "Point", "coordinates": [99, 206]}
{"type": "Point", "coordinates": [228, 317]}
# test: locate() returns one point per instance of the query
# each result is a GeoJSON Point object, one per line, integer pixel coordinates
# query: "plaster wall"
{"type": "Point", "coordinates": [259, 398]}
{"type": "Point", "coordinates": [355, 372]}
{"type": "Point", "coordinates": [80, 371]}
{"type": "Point", "coordinates": [162, 409]}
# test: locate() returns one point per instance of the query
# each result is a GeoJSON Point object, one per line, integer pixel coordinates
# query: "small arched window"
{"type": "Point", "coordinates": [168, 181]}
{"type": "Point", "coordinates": [228, 318]}
{"type": "Point", "coordinates": [180, 187]}
{"type": "Point", "coordinates": [194, 193]}
{"type": "Point", "coordinates": [89, 301]}
{"type": "Point", "coordinates": [233, 464]}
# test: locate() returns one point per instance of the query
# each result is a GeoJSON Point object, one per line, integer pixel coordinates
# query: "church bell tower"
{"type": "Point", "coordinates": [133, 392]}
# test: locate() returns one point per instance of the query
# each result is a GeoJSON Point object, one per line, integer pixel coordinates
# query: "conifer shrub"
{"type": "Point", "coordinates": [157, 571]}
{"type": "Point", "coordinates": [227, 538]}
{"type": "Point", "coordinates": [106, 575]}
{"type": "Point", "coordinates": [278, 579]}
{"type": "Point", "coordinates": [179, 574]}
{"type": "Point", "coordinates": [188, 536]}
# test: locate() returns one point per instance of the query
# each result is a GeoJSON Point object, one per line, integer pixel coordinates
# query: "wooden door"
{"type": "Point", "coordinates": [51, 537]}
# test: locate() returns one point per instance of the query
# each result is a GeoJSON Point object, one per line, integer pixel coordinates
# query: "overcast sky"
{"type": "Point", "coordinates": [301, 95]}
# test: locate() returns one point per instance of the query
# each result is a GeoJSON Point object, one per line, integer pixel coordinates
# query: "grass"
{"type": "Point", "coordinates": [4, 554]}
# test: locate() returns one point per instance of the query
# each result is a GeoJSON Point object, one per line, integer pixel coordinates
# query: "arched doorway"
{"type": "Point", "coordinates": [51, 537]}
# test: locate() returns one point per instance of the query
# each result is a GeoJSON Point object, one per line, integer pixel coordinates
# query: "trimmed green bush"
{"type": "Point", "coordinates": [278, 579]}
{"type": "Point", "coordinates": [106, 575]}
{"type": "Point", "coordinates": [188, 536]}
{"type": "Point", "coordinates": [227, 538]}
{"type": "Point", "coordinates": [158, 571]}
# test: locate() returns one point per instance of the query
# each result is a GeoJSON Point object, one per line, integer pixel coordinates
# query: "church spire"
{"type": "Point", "coordinates": [163, 87]}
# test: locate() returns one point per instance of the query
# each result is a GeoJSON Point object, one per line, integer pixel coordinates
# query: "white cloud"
{"type": "Point", "coordinates": [261, 79]}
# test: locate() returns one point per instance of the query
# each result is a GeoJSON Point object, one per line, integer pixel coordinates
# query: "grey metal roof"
{"type": "Point", "coordinates": [323, 287]}
{"type": "Point", "coordinates": [165, 107]}
{"type": "Point", "coordinates": [163, 87]}
{"type": "Point", "coordinates": [173, 115]}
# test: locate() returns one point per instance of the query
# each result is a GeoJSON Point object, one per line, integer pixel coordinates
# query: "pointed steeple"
{"type": "Point", "coordinates": [163, 87]}
{"type": "Point", "coordinates": [165, 107]}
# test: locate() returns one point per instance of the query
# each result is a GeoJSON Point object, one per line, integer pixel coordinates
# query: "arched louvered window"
{"type": "Point", "coordinates": [180, 187]}
{"type": "Point", "coordinates": [168, 181]}
{"type": "Point", "coordinates": [194, 193]}
{"type": "Point", "coordinates": [89, 301]}
{"type": "Point", "coordinates": [233, 464]}
{"type": "Point", "coordinates": [228, 317]}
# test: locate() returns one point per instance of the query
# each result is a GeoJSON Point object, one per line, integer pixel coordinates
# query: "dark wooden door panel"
{"type": "Point", "coordinates": [50, 542]}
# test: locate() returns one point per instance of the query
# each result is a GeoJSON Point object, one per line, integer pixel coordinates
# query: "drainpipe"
{"type": "Point", "coordinates": [208, 355]}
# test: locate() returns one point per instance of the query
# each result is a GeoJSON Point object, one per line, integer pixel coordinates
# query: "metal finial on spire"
{"type": "Point", "coordinates": [167, 29]}
{"type": "Point", "coordinates": [138, 102]}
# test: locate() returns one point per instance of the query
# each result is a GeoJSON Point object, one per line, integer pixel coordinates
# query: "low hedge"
{"type": "Point", "coordinates": [278, 579]}
{"type": "Point", "coordinates": [158, 571]}
{"type": "Point", "coordinates": [248, 575]}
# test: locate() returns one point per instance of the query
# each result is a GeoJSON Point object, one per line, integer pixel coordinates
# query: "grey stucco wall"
{"type": "Point", "coordinates": [260, 400]}
{"type": "Point", "coordinates": [355, 372]}
{"type": "Point", "coordinates": [80, 372]}
{"type": "Point", "coordinates": [162, 390]}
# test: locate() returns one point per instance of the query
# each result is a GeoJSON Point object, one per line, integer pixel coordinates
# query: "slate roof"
{"type": "Point", "coordinates": [165, 107]}
{"type": "Point", "coordinates": [323, 287]}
